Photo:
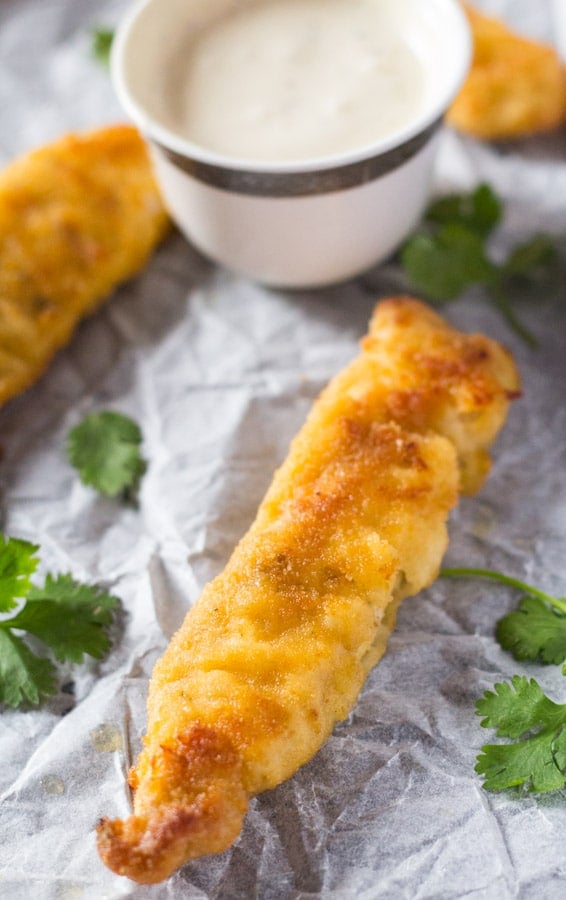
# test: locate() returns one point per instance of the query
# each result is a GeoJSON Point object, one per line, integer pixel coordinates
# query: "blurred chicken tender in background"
{"type": "Point", "coordinates": [77, 217]}
{"type": "Point", "coordinates": [515, 87]}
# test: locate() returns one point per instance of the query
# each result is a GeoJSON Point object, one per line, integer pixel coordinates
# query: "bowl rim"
{"type": "Point", "coordinates": [184, 147]}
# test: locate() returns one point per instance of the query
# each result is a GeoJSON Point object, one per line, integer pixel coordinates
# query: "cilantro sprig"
{"type": "Point", "coordinates": [519, 710]}
{"type": "Point", "coordinates": [451, 254]}
{"type": "Point", "coordinates": [105, 450]}
{"type": "Point", "coordinates": [71, 619]}
{"type": "Point", "coordinates": [536, 630]}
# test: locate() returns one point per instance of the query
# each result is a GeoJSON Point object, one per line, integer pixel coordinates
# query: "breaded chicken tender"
{"type": "Point", "coordinates": [77, 217]}
{"type": "Point", "coordinates": [277, 648]}
{"type": "Point", "coordinates": [515, 87]}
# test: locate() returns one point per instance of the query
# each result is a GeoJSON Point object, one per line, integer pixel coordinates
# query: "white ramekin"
{"type": "Point", "coordinates": [292, 224]}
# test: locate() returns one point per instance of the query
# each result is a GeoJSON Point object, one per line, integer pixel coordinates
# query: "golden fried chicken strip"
{"type": "Point", "coordinates": [77, 217]}
{"type": "Point", "coordinates": [277, 648]}
{"type": "Point", "coordinates": [515, 87]}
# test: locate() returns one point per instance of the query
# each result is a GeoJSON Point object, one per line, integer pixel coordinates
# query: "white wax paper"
{"type": "Point", "coordinates": [220, 373]}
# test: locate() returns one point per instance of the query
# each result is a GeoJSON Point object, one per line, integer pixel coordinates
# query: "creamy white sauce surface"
{"type": "Point", "coordinates": [294, 79]}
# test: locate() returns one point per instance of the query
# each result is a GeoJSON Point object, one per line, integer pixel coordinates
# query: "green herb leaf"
{"type": "Point", "coordinates": [70, 617]}
{"type": "Point", "coordinates": [102, 39]}
{"type": "Point", "coordinates": [18, 561]}
{"type": "Point", "coordinates": [533, 259]}
{"type": "Point", "coordinates": [444, 265]}
{"type": "Point", "coordinates": [534, 632]}
{"type": "Point", "coordinates": [105, 450]}
{"type": "Point", "coordinates": [519, 709]}
{"type": "Point", "coordinates": [24, 677]}
{"type": "Point", "coordinates": [480, 210]}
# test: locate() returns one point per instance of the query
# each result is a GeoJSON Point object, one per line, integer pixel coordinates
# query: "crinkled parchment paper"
{"type": "Point", "coordinates": [221, 373]}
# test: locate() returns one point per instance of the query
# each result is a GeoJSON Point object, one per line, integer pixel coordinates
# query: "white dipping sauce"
{"type": "Point", "coordinates": [295, 79]}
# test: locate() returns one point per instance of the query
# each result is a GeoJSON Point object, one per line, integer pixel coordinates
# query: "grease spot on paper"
{"type": "Point", "coordinates": [69, 891]}
{"type": "Point", "coordinates": [52, 784]}
{"type": "Point", "coordinates": [484, 521]}
{"type": "Point", "coordinates": [106, 738]}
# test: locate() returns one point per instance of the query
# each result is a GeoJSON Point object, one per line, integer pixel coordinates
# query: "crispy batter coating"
{"type": "Point", "coordinates": [77, 217]}
{"type": "Point", "coordinates": [515, 87]}
{"type": "Point", "coordinates": [277, 648]}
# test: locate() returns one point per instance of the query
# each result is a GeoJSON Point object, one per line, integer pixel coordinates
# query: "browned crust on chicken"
{"type": "Point", "coordinates": [277, 648]}
{"type": "Point", "coordinates": [153, 846]}
{"type": "Point", "coordinates": [198, 779]}
{"type": "Point", "coordinates": [77, 217]}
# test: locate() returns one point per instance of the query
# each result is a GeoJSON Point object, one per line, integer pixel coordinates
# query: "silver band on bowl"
{"type": "Point", "coordinates": [297, 184]}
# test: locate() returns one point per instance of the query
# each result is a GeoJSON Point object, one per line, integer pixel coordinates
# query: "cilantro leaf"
{"type": "Point", "coordinates": [517, 706]}
{"type": "Point", "coordinates": [18, 561]}
{"type": "Point", "coordinates": [70, 617]}
{"type": "Point", "coordinates": [105, 450]}
{"type": "Point", "coordinates": [24, 677]}
{"type": "Point", "coordinates": [480, 210]}
{"type": "Point", "coordinates": [527, 762]}
{"type": "Point", "coordinates": [519, 709]}
{"type": "Point", "coordinates": [532, 259]}
{"type": "Point", "coordinates": [102, 39]}
{"type": "Point", "coordinates": [534, 632]}
{"type": "Point", "coordinates": [445, 264]}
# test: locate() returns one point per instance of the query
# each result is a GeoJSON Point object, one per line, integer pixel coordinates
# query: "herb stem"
{"type": "Point", "coordinates": [502, 304]}
{"type": "Point", "coordinates": [558, 603]}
